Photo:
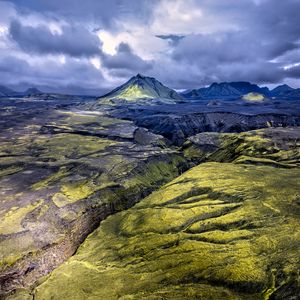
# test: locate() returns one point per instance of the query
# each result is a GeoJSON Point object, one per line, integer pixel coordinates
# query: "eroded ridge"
{"type": "Point", "coordinates": [219, 231]}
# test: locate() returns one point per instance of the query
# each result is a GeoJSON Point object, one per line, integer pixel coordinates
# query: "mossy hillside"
{"type": "Point", "coordinates": [135, 92]}
{"type": "Point", "coordinates": [277, 146]}
{"type": "Point", "coordinates": [92, 121]}
{"type": "Point", "coordinates": [254, 97]}
{"type": "Point", "coordinates": [219, 231]}
{"type": "Point", "coordinates": [101, 193]}
{"type": "Point", "coordinates": [10, 222]}
{"type": "Point", "coordinates": [70, 146]}
{"type": "Point", "coordinates": [81, 179]}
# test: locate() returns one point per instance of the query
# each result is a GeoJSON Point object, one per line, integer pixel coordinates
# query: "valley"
{"type": "Point", "coordinates": [147, 194]}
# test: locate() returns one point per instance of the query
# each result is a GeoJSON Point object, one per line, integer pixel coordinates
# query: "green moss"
{"type": "Point", "coordinates": [243, 159]}
{"type": "Point", "coordinates": [10, 170]}
{"type": "Point", "coordinates": [61, 146]}
{"type": "Point", "coordinates": [132, 93]}
{"type": "Point", "coordinates": [52, 179]}
{"type": "Point", "coordinates": [10, 253]}
{"type": "Point", "coordinates": [256, 97]}
{"type": "Point", "coordinates": [215, 232]}
{"type": "Point", "coordinates": [272, 146]}
{"type": "Point", "coordinates": [11, 221]}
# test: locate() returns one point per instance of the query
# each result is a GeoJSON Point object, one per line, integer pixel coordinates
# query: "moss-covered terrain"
{"type": "Point", "coordinates": [61, 173]}
{"type": "Point", "coordinates": [226, 229]}
{"type": "Point", "coordinates": [270, 146]}
{"type": "Point", "coordinates": [219, 231]}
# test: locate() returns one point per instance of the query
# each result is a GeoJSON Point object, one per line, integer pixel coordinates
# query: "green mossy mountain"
{"type": "Point", "coordinates": [141, 89]}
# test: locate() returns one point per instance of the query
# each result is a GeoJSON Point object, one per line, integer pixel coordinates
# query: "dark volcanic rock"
{"type": "Point", "coordinates": [177, 128]}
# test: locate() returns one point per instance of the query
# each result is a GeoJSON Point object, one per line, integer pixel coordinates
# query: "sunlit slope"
{"type": "Point", "coordinates": [279, 147]}
{"type": "Point", "coordinates": [219, 231]}
{"type": "Point", "coordinates": [140, 88]}
{"type": "Point", "coordinates": [256, 97]}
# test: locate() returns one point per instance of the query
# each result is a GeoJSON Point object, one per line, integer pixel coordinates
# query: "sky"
{"type": "Point", "coordinates": [91, 46]}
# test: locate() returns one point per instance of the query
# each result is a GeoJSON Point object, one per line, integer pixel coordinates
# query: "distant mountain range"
{"type": "Point", "coordinates": [34, 94]}
{"type": "Point", "coordinates": [235, 90]}
{"type": "Point", "coordinates": [6, 92]}
{"type": "Point", "coordinates": [141, 88]}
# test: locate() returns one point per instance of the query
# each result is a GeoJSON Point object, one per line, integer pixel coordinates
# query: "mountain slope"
{"type": "Point", "coordinates": [4, 91]}
{"type": "Point", "coordinates": [139, 88]}
{"type": "Point", "coordinates": [226, 90]}
{"type": "Point", "coordinates": [285, 92]}
{"type": "Point", "coordinates": [32, 91]}
{"type": "Point", "coordinates": [254, 97]}
{"type": "Point", "coordinates": [281, 90]}
{"type": "Point", "coordinates": [294, 94]}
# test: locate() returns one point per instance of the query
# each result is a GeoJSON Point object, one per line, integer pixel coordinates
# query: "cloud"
{"type": "Point", "coordinates": [12, 66]}
{"type": "Point", "coordinates": [102, 13]}
{"type": "Point", "coordinates": [294, 71]}
{"type": "Point", "coordinates": [72, 40]}
{"type": "Point", "coordinates": [72, 76]}
{"type": "Point", "coordinates": [185, 44]}
{"type": "Point", "coordinates": [125, 59]}
{"type": "Point", "coordinates": [173, 39]}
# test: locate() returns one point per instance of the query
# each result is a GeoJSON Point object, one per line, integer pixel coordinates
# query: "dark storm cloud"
{"type": "Point", "coordinates": [12, 65]}
{"type": "Point", "coordinates": [293, 72]}
{"type": "Point", "coordinates": [125, 59]}
{"type": "Point", "coordinates": [173, 39]}
{"type": "Point", "coordinates": [184, 43]}
{"type": "Point", "coordinates": [73, 40]}
{"type": "Point", "coordinates": [104, 12]}
{"type": "Point", "coordinates": [268, 38]}
{"type": "Point", "coordinates": [74, 76]}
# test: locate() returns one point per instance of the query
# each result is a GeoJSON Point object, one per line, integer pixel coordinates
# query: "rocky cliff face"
{"type": "Point", "coordinates": [177, 128]}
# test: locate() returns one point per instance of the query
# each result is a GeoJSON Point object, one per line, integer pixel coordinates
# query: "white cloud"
{"type": "Point", "coordinates": [95, 61]}
{"type": "Point", "coordinates": [188, 17]}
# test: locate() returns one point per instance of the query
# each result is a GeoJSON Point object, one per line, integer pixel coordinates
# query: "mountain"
{"type": "Point", "coordinates": [294, 94]}
{"type": "Point", "coordinates": [281, 90]}
{"type": "Point", "coordinates": [246, 87]}
{"type": "Point", "coordinates": [285, 91]}
{"type": "Point", "coordinates": [32, 91]}
{"type": "Point", "coordinates": [141, 88]}
{"type": "Point", "coordinates": [226, 90]}
{"type": "Point", "coordinates": [6, 92]}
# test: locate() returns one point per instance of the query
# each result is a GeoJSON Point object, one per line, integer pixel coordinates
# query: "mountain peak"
{"type": "Point", "coordinates": [281, 90]}
{"type": "Point", "coordinates": [139, 88]}
{"type": "Point", "coordinates": [32, 91]}
{"type": "Point", "coordinates": [285, 86]}
{"type": "Point", "coordinates": [227, 90]}
{"type": "Point", "coordinates": [139, 75]}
